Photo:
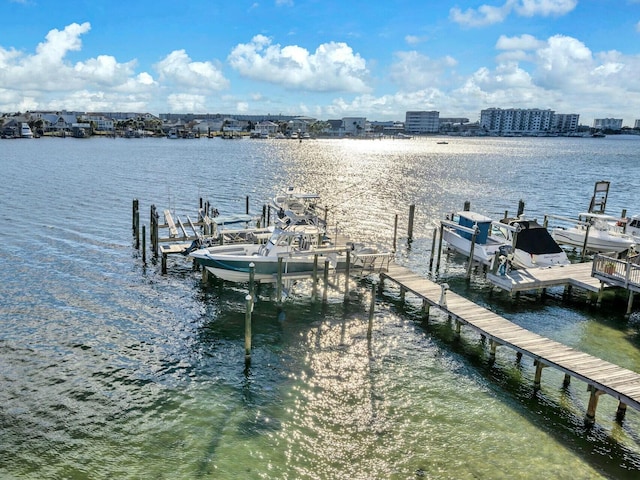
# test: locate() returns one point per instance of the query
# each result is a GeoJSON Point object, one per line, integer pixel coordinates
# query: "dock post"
{"type": "Point", "coordinates": [247, 329]}
{"type": "Point", "coordinates": [493, 345]}
{"type": "Point", "coordinates": [425, 309]}
{"type": "Point", "coordinates": [439, 247]}
{"type": "Point", "coordinates": [590, 417]}
{"type": "Point", "coordinates": [584, 245]}
{"type": "Point", "coordinates": [395, 232]}
{"type": "Point", "coordinates": [279, 287]}
{"type": "Point", "coordinates": [264, 214]}
{"type": "Point", "coordinates": [412, 211]}
{"type": "Point", "coordinates": [268, 216]}
{"type": "Point", "coordinates": [538, 377]}
{"type": "Point", "coordinates": [471, 251]}
{"type": "Point", "coordinates": [623, 215]}
{"type": "Point", "coordinates": [164, 264]}
{"type": "Point", "coordinates": [252, 276]}
{"type": "Point", "coordinates": [520, 208]}
{"type": "Point", "coordinates": [467, 206]}
{"type": "Point", "coordinates": [622, 410]}
{"type": "Point", "coordinates": [629, 303]}
{"type": "Point", "coordinates": [247, 205]}
{"type": "Point", "coordinates": [314, 288]}
{"type": "Point", "coordinates": [458, 327]}
{"type": "Point", "coordinates": [134, 207]}
{"type": "Point", "coordinates": [347, 274]}
{"type": "Point", "coordinates": [600, 294]}
{"type": "Point", "coordinates": [326, 280]}
{"type": "Point", "coordinates": [372, 305]}
{"type": "Point", "coordinates": [205, 275]}
{"type": "Point", "coordinates": [144, 245]}
{"type": "Point", "coordinates": [433, 247]}
{"type": "Point", "coordinates": [567, 380]}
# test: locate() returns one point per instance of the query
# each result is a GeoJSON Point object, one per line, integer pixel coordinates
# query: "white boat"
{"type": "Point", "coordinates": [296, 245]}
{"type": "Point", "coordinates": [531, 244]}
{"type": "Point", "coordinates": [25, 130]}
{"type": "Point", "coordinates": [295, 201]}
{"type": "Point", "coordinates": [601, 231]}
{"type": "Point", "coordinates": [458, 236]}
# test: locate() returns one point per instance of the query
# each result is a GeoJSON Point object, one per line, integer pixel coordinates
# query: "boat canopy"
{"type": "Point", "coordinates": [471, 219]}
{"type": "Point", "coordinates": [533, 238]}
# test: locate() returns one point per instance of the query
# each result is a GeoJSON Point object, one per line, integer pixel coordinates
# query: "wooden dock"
{"type": "Point", "coordinates": [575, 275]}
{"type": "Point", "coordinates": [600, 376]}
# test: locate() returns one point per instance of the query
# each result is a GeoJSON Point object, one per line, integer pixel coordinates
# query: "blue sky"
{"type": "Point", "coordinates": [322, 58]}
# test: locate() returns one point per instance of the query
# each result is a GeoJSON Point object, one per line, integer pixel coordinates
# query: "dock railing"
{"type": "Point", "coordinates": [623, 273]}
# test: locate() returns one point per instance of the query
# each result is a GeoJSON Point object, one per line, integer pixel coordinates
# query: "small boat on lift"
{"type": "Point", "coordinates": [531, 244]}
{"type": "Point", "coordinates": [597, 232]}
{"type": "Point", "coordinates": [469, 233]}
{"type": "Point", "coordinates": [525, 243]}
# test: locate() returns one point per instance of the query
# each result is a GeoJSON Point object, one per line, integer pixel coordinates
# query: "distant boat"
{"type": "Point", "coordinates": [598, 135]}
{"type": "Point", "coordinates": [442, 142]}
{"type": "Point", "coordinates": [25, 130]}
{"type": "Point", "coordinates": [403, 136]}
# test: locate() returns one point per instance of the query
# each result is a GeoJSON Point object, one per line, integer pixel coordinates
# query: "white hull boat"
{"type": "Point", "coordinates": [532, 245]}
{"type": "Point", "coordinates": [525, 243]}
{"type": "Point", "coordinates": [296, 245]}
{"type": "Point", "coordinates": [459, 237]}
{"type": "Point", "coordinates": [600, 234]}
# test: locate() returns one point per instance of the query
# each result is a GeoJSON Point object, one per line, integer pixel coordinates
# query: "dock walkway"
{"type": "Point", "coordinates": [576, 275]}
{"type": "Point", "coordinates": [601, 376]}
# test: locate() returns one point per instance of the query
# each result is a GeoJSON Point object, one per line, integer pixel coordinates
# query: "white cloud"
{"type": "Point", "coordinates": [483, 16]}
{"type": "Point", "coordinates": [488, 15]}
{"type": "Point", "coordinates": [178, 69]}
{"type": "Point", "coordinates": [414, 71]}
{"type": "Point", "coordinates": [332, 67]}
{"type": "Point", "coordinates": [545, 8]}
{"type": "Point", "coordinates": [414, 39]}
{"type": "Point", "coordinates": [48, 81]}
{"type": "Point", "coordinates": [186, 102]}
{"type": "Point", "coordinates": [523, 42]}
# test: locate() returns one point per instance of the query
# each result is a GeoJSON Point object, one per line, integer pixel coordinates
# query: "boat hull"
{"type": "Point", "coordinates": [483, 253]}
{"type": "Point", "coordinates": [598, 241]}
{"type": "Point", "coordinates": [234, 264]}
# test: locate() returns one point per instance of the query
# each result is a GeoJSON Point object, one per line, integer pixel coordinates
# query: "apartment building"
{"type": "Point", "coordinates": [418, 122]}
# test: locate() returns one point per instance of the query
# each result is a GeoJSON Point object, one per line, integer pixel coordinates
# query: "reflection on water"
{"type": "Point", "coordinates": [110, 370]}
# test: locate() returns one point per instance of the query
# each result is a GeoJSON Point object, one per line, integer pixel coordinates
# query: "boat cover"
{"type": "Point", "coordinates": [535, 239]}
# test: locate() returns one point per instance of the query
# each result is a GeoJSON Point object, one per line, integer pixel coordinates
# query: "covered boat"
{"type": "Point", "coordinates": [531, 244]}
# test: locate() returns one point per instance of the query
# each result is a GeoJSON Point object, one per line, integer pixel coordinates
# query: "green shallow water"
{"type": "Point", "coordinates": [110, 370]}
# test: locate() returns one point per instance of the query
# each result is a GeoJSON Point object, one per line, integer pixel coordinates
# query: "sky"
{"type": "Point", "coordinates": [322, 58]}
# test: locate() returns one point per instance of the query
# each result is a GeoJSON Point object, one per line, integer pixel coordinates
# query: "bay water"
{"type": "Point", "coordinates": [109, 369]}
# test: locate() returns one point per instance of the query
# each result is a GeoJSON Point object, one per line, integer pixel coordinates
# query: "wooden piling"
{"type": "Point", "coordinates": [471, 251]}
{"type": "Point", "coordinates": [314, 287]}
{"type": "Point", "coordinates": [467, 206]}
{"type": "Point", "coordinates": [520, 208]}
{"type": "Point", "coordinates": [247, 205]}
{"type": "Point", "coordinates": [252, 276]}
{"type": "Point", "coordinates": [347, 275]}
{"type": "Point", "coordinates": [433, 247]}
{"type": "Point", "coordinates": [395, 232]}
{"type": "Point", "coordinates": [590, 417]}
{"type": "Point", "coordinates": [412, 211]}
{"type": "Point", "coordinates": [326, 280]}
{"type": "Point", "coordinates": [279, 281]}
{"type": "Point", "coordinates": [439, 247]}
{"type": "Point", "coordinates": [247, 329]}
{"type": "Point", "coordinates": [144, 245]}
{"type": "Point", "coordinates": [372, 306]}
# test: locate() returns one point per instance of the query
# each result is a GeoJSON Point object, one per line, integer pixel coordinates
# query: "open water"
{"type": "Point", "coordinates": [110, 370]}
